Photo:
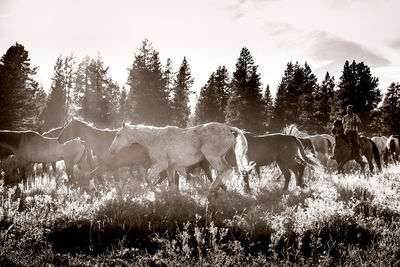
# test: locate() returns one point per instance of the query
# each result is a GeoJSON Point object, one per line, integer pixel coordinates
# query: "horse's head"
{"type": "Point", "coordinates": [69, 131]}
{"type": "Point", "coordinates": [337, 127]}
{"type": "Point", "coordinates": [121, 140]}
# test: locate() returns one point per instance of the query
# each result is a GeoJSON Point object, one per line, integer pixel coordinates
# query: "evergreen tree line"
{"type": "Point", "coordinates": [156, 94]}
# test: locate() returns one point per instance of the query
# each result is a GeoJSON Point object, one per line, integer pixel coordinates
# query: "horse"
{"type": "Point", "coordinates": [343, 152]}
{"type": "Point", "coordinates": [380, 142]}
{"type": "Point", "coordinates": [307, 144]}
{"type": "Point", "coordinates": [31, 147]}
{"type": "Point", "coordinates": [392, 148]}
{"type": "Point", "coordinates": [99, 140]}
{"type": "Point", "coordinates": [171, 148]}
{"type": "Point", "coordinates": [263, 150]}
{"type": "Point", "coordinates": [51, 133]}
{"type": "Point", "coordinates": [321, 143]}
{"type": "Point", "coordinates": [285, 150]}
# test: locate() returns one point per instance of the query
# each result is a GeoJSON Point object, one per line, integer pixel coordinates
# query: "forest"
{"type": "Point", "coordinates": [157, 94]}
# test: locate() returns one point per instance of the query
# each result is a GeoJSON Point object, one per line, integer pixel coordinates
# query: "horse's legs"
{"type": "Point", "coordinates": [44, 167]}
{"type": "Point", "coordinates": [190, 170]}
{"type": "Point", "coordinates": [286, 173]}
{"type": "Point", "coordinates": [69, 169]}
{"type": "Point", "coordinates": [246, 182]}
{"type": "Point", "coordinates": [371, 165]}
{"type": "Point", "coordinates": [173, 182]}
{"type": "Point", "coordinates": [24, 175]}
{"type": "Point", "coordinates": [89, 158]}
{"type": "Point", "coordinates": [360, 161]}
{"type": "Point", "coordinates": [54, 168]}
{"type": "Point", "coordinates": [298, 169]}
{"type": "Point", "coordinates": [340, 167]}
{"type": "Point", "coordinates": [205, 165]}
{"type": "Point", "coordinates": [223, 170]}
{"type": "Point", "coordinates": [96, 173]}
{"type": "Point", "coordinates": [154, 172]}
{"type": "Point", "coordinates": [163, 175]}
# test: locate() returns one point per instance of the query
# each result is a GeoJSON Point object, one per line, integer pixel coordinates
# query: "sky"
{"type": "Point", "coordinates": [209, 33]}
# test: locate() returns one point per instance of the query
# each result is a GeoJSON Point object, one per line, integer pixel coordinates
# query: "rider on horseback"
{"type": "Point", "coordinates": [351, 121]}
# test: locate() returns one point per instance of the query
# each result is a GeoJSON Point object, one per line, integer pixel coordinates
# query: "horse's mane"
{"type": "Point", "coordinates": [91, 125]}
{"type": "Point", "coordinates": [52, 130]}
{"type": "Point", "coordinates": [293, 130]}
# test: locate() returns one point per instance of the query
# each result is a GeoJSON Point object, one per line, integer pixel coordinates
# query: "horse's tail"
{"type": "Point", "coordinates": [303, 154]}
{"type": "Point", "coordinates": [307, 144]}
{"type": "Point", "coordinates": [376, 154]}
{"type": "Point", "coordinates": [240, 149]}
{"type": "Point", "coordinates": [330, 146]}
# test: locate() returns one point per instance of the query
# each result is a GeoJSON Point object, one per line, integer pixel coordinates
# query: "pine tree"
{"type": "Point", "coordinates": [169, 76]}
{"type": "Point", "coordinates": [358, 88]}
{"type": "Point", "coordinates": [269, 106]}
{"type": "Point", "coordinates": [181, 92]}
{"type": "Point", "coordinates": [123, 111]}
{"type": "Point", "coordinates": [245, 108]}
{"type": "Point", "coordinates": [148, 96]}
{"type": "Point", "coordinates": [283, 105]}
{"type": "Point", "coordinates": [21, 98]}
{"type": "Point", "coordinates": [391, 110]}
{"type": "Point", "coordinates": [69, 75]}
{"type": "Point", "coordinates": [80, 89]}
{"type": "Point", "coordinates": [295, 99]}
{"type": "Point", "coordinates": [54, 113]}
{"type": "Point", "coordinates": [213, 97]}
{"type": "Point", "coordinates": [96, 93]}
{"type": "Point", "coordinates": [307, 97]}
{"type": "Point", "coordinates": [323, 102]}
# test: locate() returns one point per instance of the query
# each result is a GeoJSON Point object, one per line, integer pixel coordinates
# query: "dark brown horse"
{"type": "Point", "coordinates": [343, 152]}
{"type": "Point", "coordinates": [286, 150]}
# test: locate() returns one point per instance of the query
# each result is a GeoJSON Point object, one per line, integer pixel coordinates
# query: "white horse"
{"type": "Point", "coordinates": [172, 148]}
{"type": "Point", "coordinates": [392, 150]}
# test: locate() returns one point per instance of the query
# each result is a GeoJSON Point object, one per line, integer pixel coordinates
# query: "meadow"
{"type": "Point", "coordinates": [338, 220]}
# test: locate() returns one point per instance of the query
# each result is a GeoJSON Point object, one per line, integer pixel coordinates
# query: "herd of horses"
{"type": "Point", "coordinates": [159, 152]}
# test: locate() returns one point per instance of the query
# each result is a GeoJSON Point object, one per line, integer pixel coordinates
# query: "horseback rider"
{"type": "Point", "coordinates": [351, 121]}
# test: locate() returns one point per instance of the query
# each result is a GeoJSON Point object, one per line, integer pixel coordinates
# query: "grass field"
{"type": "Point", "coordinates": [339, 220]}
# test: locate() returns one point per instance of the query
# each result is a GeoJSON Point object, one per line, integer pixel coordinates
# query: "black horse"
{"type": "Point", "coordinates": [343, 149]}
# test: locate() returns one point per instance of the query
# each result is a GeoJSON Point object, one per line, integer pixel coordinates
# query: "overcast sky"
{"type": "Point", "coordinates": [209, 33]}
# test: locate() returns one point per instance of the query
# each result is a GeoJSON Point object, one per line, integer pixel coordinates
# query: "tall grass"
{"type": "Point", "coordinates": [337, 220]}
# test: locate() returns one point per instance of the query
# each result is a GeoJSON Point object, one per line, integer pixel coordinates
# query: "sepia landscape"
{"type": "Point", "coordinates": [147, 134]}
